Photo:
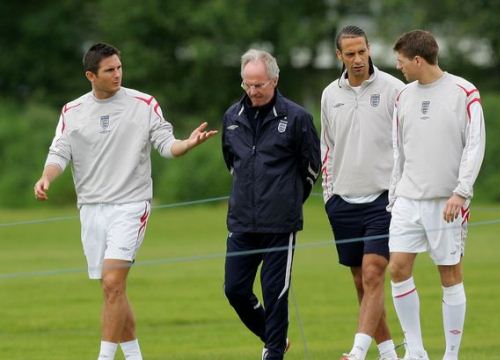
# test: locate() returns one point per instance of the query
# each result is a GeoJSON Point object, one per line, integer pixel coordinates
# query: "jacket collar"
{"type": "Point", "coordinates": [279, 109]}
{"type": "Point", "coordinates": [345, 83]}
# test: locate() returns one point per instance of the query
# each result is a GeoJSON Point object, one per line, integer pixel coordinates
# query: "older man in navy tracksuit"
{"type": "Point", "coordinates": [271, 148]}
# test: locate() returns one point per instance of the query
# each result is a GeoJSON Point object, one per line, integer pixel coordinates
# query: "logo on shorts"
{"type": "Point", "coordinates": [282, 126]}
{"type": "Point", "coordinates": [104, 124]}
{"type": "Point", "coordinates": [425, 106]}
{"type": "Point", "coordinates": [232, 127]}
{"type": "Point", "coordinates": [375, 100]}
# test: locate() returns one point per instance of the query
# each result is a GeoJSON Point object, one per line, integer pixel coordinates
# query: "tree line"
{"type": "Point", "coordinates": [186, 53]}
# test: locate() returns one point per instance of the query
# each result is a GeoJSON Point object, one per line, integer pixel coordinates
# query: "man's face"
{"type": "Point", "coordinates": [355, 55]}
{"type": "Point", "coordinates": [256, 83]}
{"type": "Point", "coordinates": [408, 67]}
{"type": "Point", "coordinates": [108, 79]}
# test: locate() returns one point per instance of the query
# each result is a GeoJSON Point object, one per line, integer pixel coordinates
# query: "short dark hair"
{"type": "Point", "coordinates": [348, 32]}
{"type": "Point", "coordinates": [95, 54]}
{"type": "Point", "coordinates": [418, 43]}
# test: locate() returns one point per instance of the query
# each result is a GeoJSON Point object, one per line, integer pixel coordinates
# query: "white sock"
{"type": "Point", "coordinates": [454, 302]}
{"type": "Point", "coordinates": [131, 350]}
{"type": "Point", "coordinates": [108, 350]}
{"type": "Point", "coordinates": [387, 349]}
{"type": "Point", "coordinates": [407, 305]}
{"type": "Point", "coordinates": [361, 345]}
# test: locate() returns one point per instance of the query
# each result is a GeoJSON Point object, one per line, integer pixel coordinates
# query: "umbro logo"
{"type": "Point", "coordinates": [232, 127]}
{"type": "Point", "coordinates": [338, 105]}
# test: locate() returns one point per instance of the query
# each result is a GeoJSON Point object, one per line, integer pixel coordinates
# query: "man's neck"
{"type": "Point", "coordinates": [103, 95]}
{"type": "Point", "coordinates": [356, 81]}
{"type": "Point", "coordinates": [433, 73]}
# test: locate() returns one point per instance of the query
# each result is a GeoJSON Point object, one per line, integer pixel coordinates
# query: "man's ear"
{"type": "Point", "coordinates": [90, 75]}
{"type": "Point", "coordinates": [339, 54]}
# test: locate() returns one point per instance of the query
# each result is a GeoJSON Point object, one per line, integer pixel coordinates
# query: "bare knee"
{"type": "Point", "coordinates": [400, 266]}
{"type": "Point", "coordinates": [373, 272]}
{"type": "Point", "coordinates": [113, 288]}
{"type": "Point", "coordinates": [450, 274]}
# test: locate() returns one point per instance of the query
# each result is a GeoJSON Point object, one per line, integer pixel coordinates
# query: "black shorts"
{"type": "Point", "coordinates": [357, 221]}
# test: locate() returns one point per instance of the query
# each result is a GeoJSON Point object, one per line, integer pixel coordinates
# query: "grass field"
{"type": "Point", "coordinates": [176, 291]}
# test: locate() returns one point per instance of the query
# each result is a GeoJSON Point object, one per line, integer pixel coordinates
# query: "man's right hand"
{"type": "Point", "coordinates": [41, 188]}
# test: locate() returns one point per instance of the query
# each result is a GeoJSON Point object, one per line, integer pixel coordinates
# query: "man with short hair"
{"type": "Point", "coordinates": [107, 135]}
{"type": "Point", "coordinates": [272, 151]}
{"type": "Point", "coordinates": [356, 123]}
{"type": "Point", "coordinates": [439, 141]}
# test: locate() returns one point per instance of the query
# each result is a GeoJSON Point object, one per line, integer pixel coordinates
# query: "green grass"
{"type": "Point", "coordinates": [180, 306]}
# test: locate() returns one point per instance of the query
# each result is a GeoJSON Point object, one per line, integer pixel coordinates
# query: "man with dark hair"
{"type": "Point", "coordinates": [271, 148]}
{"type": "Point", "coordinates": [439, 141]}
{"type": "Point", "coordinates": [356, 115]}
{"type": "Point", "coordinates": [107, 135]}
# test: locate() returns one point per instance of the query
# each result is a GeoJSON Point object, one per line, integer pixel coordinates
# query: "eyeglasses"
{"type": "Point", "coordinates": [256, 87]}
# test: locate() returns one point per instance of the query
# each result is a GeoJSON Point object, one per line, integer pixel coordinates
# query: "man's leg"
{"type": "Point", "coordinates": [406, 301]}
{"type": "Point", "coordinates": [454, 305]}
{"type": "Point", "coordinates": [129, 343]}
{"type": "Point", "coordinates": [372, 313]}
{"type": "Point", "coordinates": [275, 279]}
{"type": "Point", "coordinates": [369, 282]}
{"type": "Point", "coordinates": [239, 276]}
{"type": "Point", "coordinates": [116, 309]}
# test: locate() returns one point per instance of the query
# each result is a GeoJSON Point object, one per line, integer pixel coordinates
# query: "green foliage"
{"type": "Point", "coordinates": [200, 174]}
{"type": "Point", "coordinates": [25, 135]}
{"type": "Point", "coordinates": [186, 54]}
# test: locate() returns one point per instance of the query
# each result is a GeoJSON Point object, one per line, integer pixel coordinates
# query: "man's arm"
{"type": "Point", "coordinates": [197, 137]}
{"type": "Point", "coordinates": [50, 172]}
{"type": "Point", "coordinates": [472, 157]}
{"type": "Point", "coordinates": [310, 155]}
{"type": "Point", "coordinates": [399, 157]}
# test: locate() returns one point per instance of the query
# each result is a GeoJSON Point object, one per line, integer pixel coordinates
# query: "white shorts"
{"type": "Point", "coordinates": [418, 226]}
{"type": "Point", "coordinates": [112, 231]}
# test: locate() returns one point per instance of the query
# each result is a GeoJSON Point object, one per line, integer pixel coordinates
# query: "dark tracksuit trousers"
{"type": "Point", "coordinates": [275, 251]}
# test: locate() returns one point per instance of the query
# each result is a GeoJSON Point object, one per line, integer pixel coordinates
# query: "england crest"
{"type": "Point", "coordinates": [104, 124]}
{"type": "Point", "coordinates": [425, 106]}
{"type": "Point", "coordinates": [282, 126]}
{"type": "Point", "coordinates": [375, 100]}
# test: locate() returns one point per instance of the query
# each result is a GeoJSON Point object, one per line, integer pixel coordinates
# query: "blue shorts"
{"type": "Point", "coordinates": [357, 221]}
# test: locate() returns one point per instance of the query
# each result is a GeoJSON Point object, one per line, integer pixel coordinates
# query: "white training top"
{"type": "Point", "coordinates": [438, 139]}
{"type": "Point", "coordinates": [109, 143]}
{"type": "Point", "coordinates": [356, 128]}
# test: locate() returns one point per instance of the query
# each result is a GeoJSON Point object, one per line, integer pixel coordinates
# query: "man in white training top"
{"type": "Point", "coordinates": [356, 123]}
{"type": "Point", "coordinates": [439, 141]}
{"type": "Point", "coordinates": [107, 136]}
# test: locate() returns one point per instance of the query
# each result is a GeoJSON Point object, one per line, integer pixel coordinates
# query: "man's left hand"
{"type": "Point", "coordinates": [453, 207]}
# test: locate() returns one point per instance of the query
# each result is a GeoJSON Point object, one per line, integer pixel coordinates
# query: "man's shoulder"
{"type": "Point", "coordinates": [290, 107]}
{"type": "Point", "coordinates": [76, 104]}
{"type": "Point", "coordinates": [461, 83]}
{"type": "Point", "coordinates": [138, 95]}
{"type": "Point", "coordinates": [333, 87]}
{"type": "Point", "coordinates": [234, 109]}
{"type": "Point", "coordinates": [391, 80]}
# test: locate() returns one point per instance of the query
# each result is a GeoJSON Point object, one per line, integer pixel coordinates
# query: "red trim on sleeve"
{"type": "Point", "coordinates": [156, 110]}
{"type": "Point", "coordinates": [147, 101]}
{"type": "Point", "coordinates": [469, 105]}
{"type": "Point", "coordinates": [468, 93]}
{"type": "Point", "coordinates": [66, 107]}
